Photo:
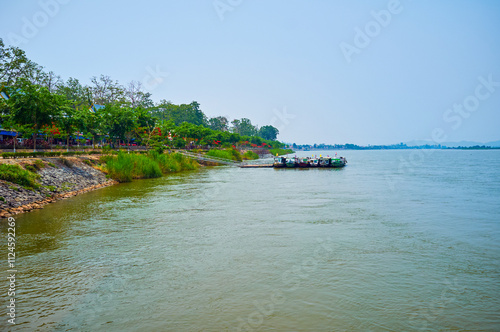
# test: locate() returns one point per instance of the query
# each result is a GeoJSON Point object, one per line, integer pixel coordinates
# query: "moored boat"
{"type": "Point", "coordinates": [338, 162]}
{"type": "Point", "coordinates": [314, 162]}
{"type": "Point", "coordinates": [303, 162]}
{"type": "Point", "coordinates": [323, 162]}
{"type": "Point", "coordinates": [292, 162]}
{"type": "Point", "coordinates": [279, 162]}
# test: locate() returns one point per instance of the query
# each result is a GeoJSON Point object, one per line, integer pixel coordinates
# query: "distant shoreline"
{"type": "Point", "coordinates": [384, 147]}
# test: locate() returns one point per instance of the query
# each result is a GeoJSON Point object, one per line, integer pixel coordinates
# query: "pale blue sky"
{"type": "Point", "coordinates": [281, 62]}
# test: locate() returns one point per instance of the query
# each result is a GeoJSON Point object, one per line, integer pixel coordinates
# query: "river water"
{"type": "Point", "coordinates": [395, 241]}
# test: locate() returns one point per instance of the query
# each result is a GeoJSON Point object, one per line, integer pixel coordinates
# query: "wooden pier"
{"type": "Point", "coordinates": [256, 166]}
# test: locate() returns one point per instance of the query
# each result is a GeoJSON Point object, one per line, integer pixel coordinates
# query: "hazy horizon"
{"type": "Point", "coordinates": [382, 72]}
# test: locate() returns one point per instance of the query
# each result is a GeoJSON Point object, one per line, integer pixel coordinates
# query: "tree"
{"type": "Point", "coordinates": [13, 64]}
{"type": "Point", "coordinates": [146, 126]}
{"type": "Point", "coordinates": [136, 97]}
{"type": "Point", "coordinates": [244, 127]}
{"type": "Point", "coordinates": [235, 126]}
{"type": "Point", "coordinates": [194, 114]}
{"type": "Point", "coordinates": [106, 91]}
{"type": "Point", "coordinates": [190, 113]}
{"type": "Point", "coordinates": [90, 122]}
{"type": "Point", "coordinates": [9, 124]}
{"type": "Point", "coordinates": [120, 122]}
{"type": "Point", "coordinates": [34, 105]}
{"type": "Point", "coordinates": [268, 132]}
{"type": "Point", "coordinates": [75, 92]}
{"type": "Point", "coordinates": [218, 123]}
{"type": "Point", "coordinates": [67, 122]}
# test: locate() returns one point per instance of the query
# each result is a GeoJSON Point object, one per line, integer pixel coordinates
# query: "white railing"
{"type": "Point", "coordinates": [213, 159]}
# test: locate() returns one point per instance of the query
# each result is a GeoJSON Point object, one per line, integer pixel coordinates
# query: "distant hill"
{"type": "Point", "coordinates": [453, 144]}
{"type": "Point", "coordinates": [494, 144]}
{"type": "Point", "coordinates": [421, 142]}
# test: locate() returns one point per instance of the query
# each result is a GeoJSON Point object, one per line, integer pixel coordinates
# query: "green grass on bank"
{"type": "Point", "coordinates": [280, 152]}
{"type": "Point", "coordinates": [231, 154]}
{"type": "Point", "coordinates": [128, 166]}
{"type": "Point", "coordinates": [16, 174]}
{"type": "Point", "coordinates": [250, 155]}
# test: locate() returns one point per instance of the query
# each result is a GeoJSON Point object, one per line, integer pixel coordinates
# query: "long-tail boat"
{"type": "Point", "coordinates": [303, 162]}
{"type": "Point", "coordinates": [291, 162]}
{"type": "Point", "coordinates": [279, 162]}
{"type": "Point", "coordinates": [323, 162]}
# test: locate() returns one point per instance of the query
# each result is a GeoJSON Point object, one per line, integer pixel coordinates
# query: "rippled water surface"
{"type": "Point", "coordinates": [397, 240]}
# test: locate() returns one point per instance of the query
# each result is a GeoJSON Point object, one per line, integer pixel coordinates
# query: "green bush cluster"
{"type": "Point", "coordinates": [231, 154]}
{"type": "Point", "coordinates": [173, 162]}
{"type": "Point", "coordinates": [16, 174]}
{"type": "Point", "coordinates": [128, 166]}
{"type": "Point", "coordinates": [250, 155]}
{"type": "Point", "coordinates": [39, 164]}
{"type": "Point", "coordinates": [13, 155]}
{"type": "Point", "coordinates": [30, 168]}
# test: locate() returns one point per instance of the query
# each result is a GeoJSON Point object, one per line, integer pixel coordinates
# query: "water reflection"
{"type": "Point", "coordinates": [204, 250]}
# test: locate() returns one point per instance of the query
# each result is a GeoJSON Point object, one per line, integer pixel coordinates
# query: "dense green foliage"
{"type": "Point", "coordinates": [42, 104]}
{"type": "Point", "coordinates": [231, 154]}
{"type": "Point", "coordinates": [127, 166]}
{"type": "Point", "coordinates": [14, 155]}
{"type": "Point", "coordinates": [250, 155]}
{"type": "Point", "coordinates": [268, 132]}
{"type": "Point", "coordinates": [16, 174]}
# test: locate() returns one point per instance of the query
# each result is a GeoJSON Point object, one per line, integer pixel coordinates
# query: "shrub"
{"type": "Point", "coordinates": [30, 168]}
{"type": "Point", "coordinates": [236, 154]}
{"type": "Point", "coordinates": [231, 154]}
{"type": "Point", "coordinates": [51, 188]}
{"type": "Point", "coordinates": [105, 158]}
{"type": "Point", "coordinates": [52, 154]}
{"type": "Point", "coordinates": [51, 164]}
{"type": "Point", "coordinates": [9, 155]}
{"type": "Point", "coordinates": [250, 155]}
{"type": "Point", "coordinates": [73, 153]}
{"type": "Point", "coordinates": [17, 175]}
{"type": "Point", "coordinates": [39, 164]}
{"type": "Point", "coordinates": [174, 162]}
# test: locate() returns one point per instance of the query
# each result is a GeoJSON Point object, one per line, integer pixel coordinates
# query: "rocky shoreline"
{"type": "Point", "coordinates": [60, 178]}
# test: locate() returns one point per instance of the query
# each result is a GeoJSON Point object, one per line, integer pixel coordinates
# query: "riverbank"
{"type": "Point", "coordinates": [57, 178]}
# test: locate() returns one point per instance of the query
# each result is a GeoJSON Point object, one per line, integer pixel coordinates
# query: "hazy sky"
{"type": "Point", "coordinates": [363, 72]}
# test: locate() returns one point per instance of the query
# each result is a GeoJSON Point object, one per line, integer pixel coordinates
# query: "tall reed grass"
{"type": "Point", "coordinates": [250, 155]}
{"type": "Point", "coordinates": [125, 167]}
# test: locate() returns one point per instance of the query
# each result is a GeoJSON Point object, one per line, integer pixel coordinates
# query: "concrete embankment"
{"type": "Point", "coordinates": [60, 178]}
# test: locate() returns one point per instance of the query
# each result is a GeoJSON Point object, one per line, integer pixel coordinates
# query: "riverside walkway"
{"type": "Point", "coordinates": [223, 161]}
